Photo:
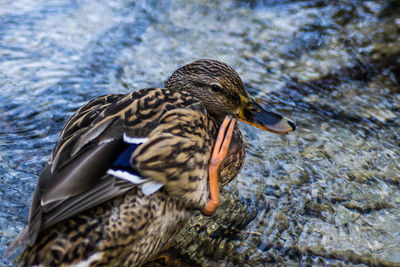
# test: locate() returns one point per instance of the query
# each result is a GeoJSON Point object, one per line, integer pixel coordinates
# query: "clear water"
{"type": "Point", "coordinates": [326, 194]}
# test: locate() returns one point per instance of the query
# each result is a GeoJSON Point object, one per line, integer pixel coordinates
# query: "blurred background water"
{"type": "Point", "coordinates": [327, 194]}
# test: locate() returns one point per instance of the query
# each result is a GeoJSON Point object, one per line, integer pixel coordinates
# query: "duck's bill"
{"type": "Point", "coordinates": [266, 120]}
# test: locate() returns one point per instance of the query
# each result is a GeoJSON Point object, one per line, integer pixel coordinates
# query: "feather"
{"type": "Point", "coordinates": [134, 140]}
{"type": "Point", "coordinates": [151, 187]}
{"type": "Point", "coordinates": [123, 169]}
{"type": "Point", "coordinates": [135, 179]}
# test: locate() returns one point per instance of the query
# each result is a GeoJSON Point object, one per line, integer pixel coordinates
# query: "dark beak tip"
{"type": "Point", "coordinates": [292, 124]}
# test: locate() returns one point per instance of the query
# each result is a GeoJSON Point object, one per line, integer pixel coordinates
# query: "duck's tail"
{"type": "Point", "coordinates": [21, 239]}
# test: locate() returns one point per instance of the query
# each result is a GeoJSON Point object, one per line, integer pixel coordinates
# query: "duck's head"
{"type": "Point", "coordinates": [222, 92]}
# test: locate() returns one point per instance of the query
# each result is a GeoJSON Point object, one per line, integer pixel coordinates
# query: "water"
{"type": "Point", "coordinates": [326, 194]}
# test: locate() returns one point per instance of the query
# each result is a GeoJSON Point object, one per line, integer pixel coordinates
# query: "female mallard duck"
{"type": "Point", "coordinates": [129, 170]}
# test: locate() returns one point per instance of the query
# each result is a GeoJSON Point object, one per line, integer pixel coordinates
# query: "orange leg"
{"type": "Point", "coordinates": [219, 153]}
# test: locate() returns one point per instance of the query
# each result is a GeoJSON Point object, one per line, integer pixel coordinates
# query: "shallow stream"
{"type": "Point", "coordinates": [327, 194]}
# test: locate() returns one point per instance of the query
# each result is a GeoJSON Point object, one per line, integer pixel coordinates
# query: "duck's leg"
{"type": "Point", "coordinates": [218, 155]}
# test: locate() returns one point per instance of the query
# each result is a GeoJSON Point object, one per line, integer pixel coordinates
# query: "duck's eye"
{"type": "Point", "coordinates": [215, 87]}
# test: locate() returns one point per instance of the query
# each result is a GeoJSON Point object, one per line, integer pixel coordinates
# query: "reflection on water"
{"type": "Point", "coordinates": [326, 194]}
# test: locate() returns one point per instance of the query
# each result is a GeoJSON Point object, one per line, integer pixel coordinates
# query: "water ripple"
{"type": "Point", "coordinates": [332, 186]}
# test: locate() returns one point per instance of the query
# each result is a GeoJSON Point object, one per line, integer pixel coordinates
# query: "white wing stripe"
{"type": "Point", "coordinates": [134, 140]}
{"type": "Point", "coordinates": [150, 187]}
{"type": "Point", "coordinates": [127, 176]}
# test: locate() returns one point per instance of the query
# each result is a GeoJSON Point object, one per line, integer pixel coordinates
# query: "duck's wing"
{"type": "Point", "coordinates": [177, 154]}
{"type": "Point", "coordinates": [73, 178]}
{"type": "Point", "coordinates": [152, 130]}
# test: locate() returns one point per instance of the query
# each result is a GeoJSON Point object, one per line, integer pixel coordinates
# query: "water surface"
{"type": "Point", "coordinates": [326, 194]}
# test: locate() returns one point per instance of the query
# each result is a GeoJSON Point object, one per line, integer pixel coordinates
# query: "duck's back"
{"type": "Point", "coordinates": [79, 209]}
{"type": "Point", "coordinates": [124, 231]}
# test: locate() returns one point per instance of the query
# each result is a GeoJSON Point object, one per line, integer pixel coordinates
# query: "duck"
{"type": "Point", "coordinates": [129, 170]}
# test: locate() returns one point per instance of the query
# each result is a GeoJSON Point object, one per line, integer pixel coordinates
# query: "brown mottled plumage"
{"type": "Point", "coordinates": [82, 214]}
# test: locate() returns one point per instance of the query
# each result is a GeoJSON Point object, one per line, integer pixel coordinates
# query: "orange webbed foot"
{"type": "Point", "coordinates": [218, 155]}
